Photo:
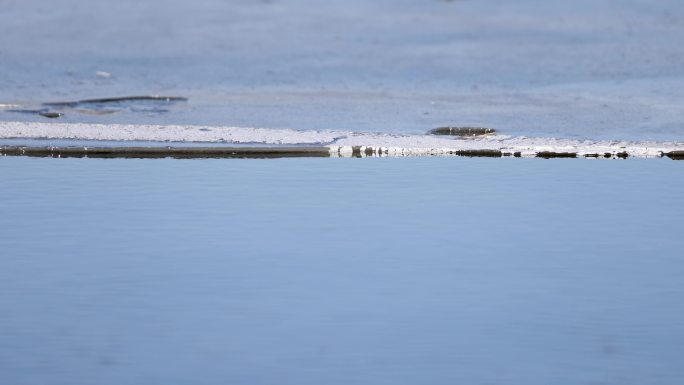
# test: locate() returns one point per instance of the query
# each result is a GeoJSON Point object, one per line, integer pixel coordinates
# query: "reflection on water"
{"type": "Point", "coordinates": [338, 271]}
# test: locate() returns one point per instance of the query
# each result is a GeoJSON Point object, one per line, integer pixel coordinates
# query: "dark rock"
{"type": "Point", "coordinates": [462, 131]}
{"type": "Point", "coordinates": [157, 98]}
{"type": "Point", "coordinates": [50, 114]}
{"type": "Point", "coordinates": [551, 154]}
{"type": "Point", "coordinates": [675, 155]}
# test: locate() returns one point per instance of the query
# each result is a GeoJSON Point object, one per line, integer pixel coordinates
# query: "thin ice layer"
{"type": "Point", "coordinates": [339, 142]}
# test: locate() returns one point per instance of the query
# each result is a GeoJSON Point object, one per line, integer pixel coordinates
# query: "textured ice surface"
{"type": "Point", "coordinates": [166, 133]}
{"type": "Point", "coordinates": [610, 70]}
{"type": "Point", "coordinates": [339, 142]}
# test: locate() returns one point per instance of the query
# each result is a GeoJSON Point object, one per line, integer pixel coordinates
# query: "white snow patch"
{"type": "Point", "coordinates": [159, 133]}
{"type": "Point", "coordinates": [340, 143]}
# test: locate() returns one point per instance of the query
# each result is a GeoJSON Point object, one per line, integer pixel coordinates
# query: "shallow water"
{"type": "Point", "coordinates": [337, 271]}
{"type": "Point", "coordinates": [583, 69]}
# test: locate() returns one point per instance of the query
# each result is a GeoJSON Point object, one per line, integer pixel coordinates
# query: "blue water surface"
{"type": "Point", "coordinates": [340, 271]}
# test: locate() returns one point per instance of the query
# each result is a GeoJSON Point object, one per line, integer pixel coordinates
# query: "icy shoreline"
{"type": "Point", "coordinates": [338, 143]}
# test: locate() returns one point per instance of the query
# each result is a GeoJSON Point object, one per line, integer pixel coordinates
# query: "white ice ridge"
{"type": "Point", "coordinates": [379, 145]}
{"type": "Point", "coordinates": [340, 143]}
{"type": "Point", "coordinates": [163, 133]}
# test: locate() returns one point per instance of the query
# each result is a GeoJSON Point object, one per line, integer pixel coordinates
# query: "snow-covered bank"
{"type": "Point", "coordinates": [339, 143]}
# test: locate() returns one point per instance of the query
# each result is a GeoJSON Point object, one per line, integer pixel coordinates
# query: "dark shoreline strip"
{"type": "Point", "coordinates": [166, 152]}
{"type": "Point", "coordinates": [46, 113]}
{"type": "Point", "coordinates": [257, 152]}
{"type": "Point", "coordinates": [551, 154]}
{"type": "Point", "coordinates": [462, 131]}
{"type": "Point", "coordinates": [675, 155]}
{"type": "Point", "coordinates": [480, 153]}
{"type": "Point", "coordinates": [117, 100]}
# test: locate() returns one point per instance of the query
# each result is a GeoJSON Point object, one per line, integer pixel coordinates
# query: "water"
{"type": "Point", "coordinates": [337, 271]}
{"type": "Point", "coordinates": [612, 70]}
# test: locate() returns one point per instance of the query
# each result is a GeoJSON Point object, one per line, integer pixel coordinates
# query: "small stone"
{"type": "Point", "coordinates": [51, 114]}
{"type": "Point", "coordinates": [462, 131]}
{"type": "Point", "coordinates": [675, 155]}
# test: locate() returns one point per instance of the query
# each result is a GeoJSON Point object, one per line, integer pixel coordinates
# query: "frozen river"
{"type": "Point", "coordinates": [611, 70]}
